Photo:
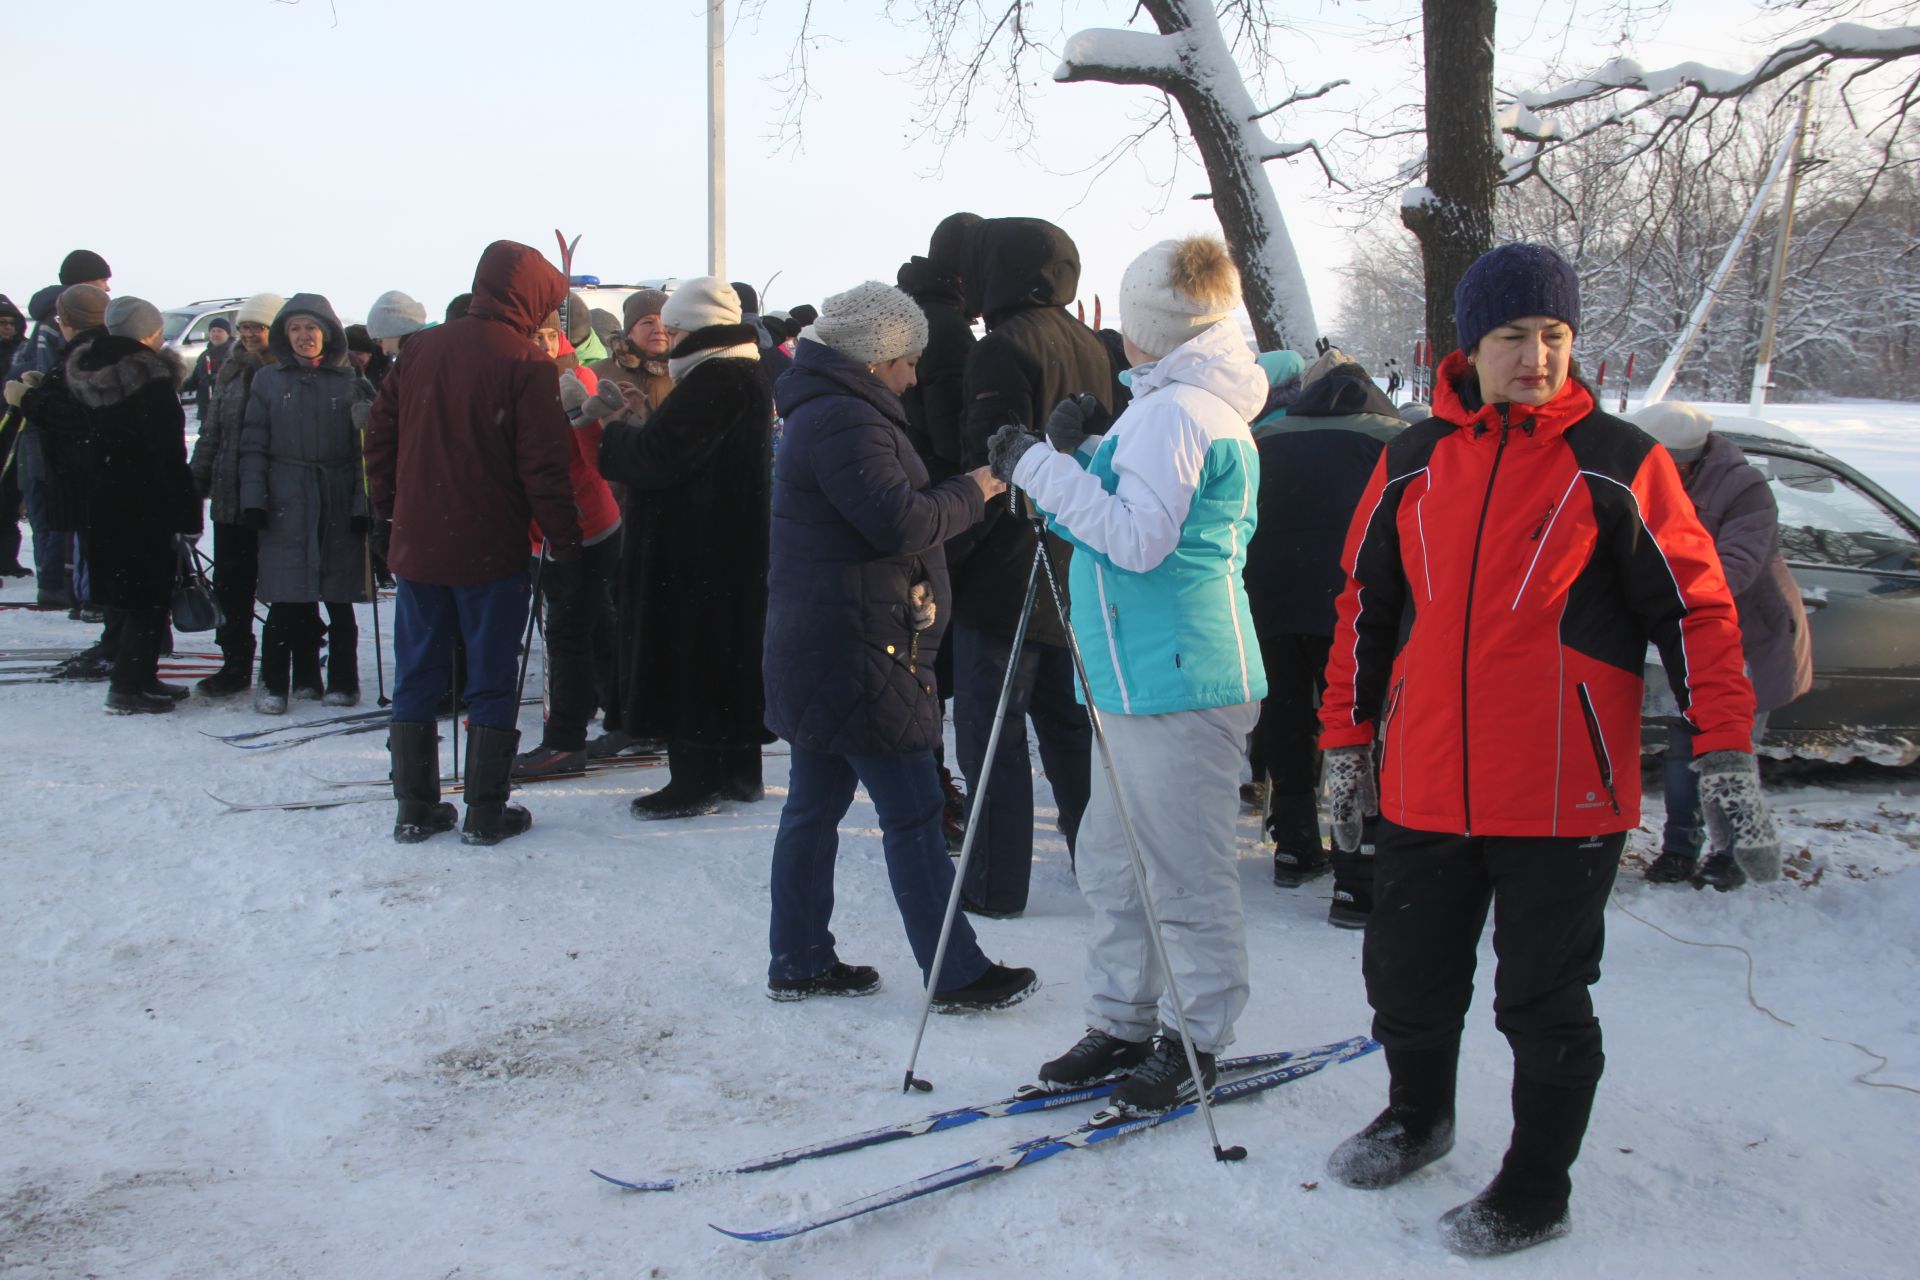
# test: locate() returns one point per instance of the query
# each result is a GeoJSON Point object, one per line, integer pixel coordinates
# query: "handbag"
{"type": "Point", "coordinates": [194, 608]}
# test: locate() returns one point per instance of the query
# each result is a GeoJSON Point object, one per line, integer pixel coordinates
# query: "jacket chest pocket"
{"type": "Point", "coordinates": [1553, 547]}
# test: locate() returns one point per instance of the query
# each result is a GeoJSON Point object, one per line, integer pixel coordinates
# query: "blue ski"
{"type": "Point", "coordinates": [1021, 1103]}
{"type": "Point", "coordinates": [1037, 1149]}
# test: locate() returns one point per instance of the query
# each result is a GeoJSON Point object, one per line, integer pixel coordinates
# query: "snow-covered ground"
{"type": "Point", "coordinates": [280, 1045]}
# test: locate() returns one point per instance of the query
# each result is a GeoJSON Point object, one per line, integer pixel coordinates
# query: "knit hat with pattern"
{"type": "Point", "coordinates": [872, 322]}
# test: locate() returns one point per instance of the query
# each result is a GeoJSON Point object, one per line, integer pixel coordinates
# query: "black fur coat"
{"type": "Point", "coordinates": [693, 567]}
{"type": "Point", "coordinates": [140, 493]}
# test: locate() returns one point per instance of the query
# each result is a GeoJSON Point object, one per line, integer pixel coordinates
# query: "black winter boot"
{"type": "Point", "coordinates": [740, 777]}
{"type": "Point", "coordinates": [1299, 855]}
{"type": "Point", "coordinates": [1671, 868]}
{"type": "Point", "coordinates": [1416, 1128]}
{"type": "Point", "coordinates": [696, 787]}
{"type": "Point", "coordinates": [1526, 1203]}
{"type": "Point", "coordinates": [490, 819]}
{"type": "Point", "coordinates": [235, 674]}
{"type": "Point", "coordinates": [343, 667]}
{"type": "Point", "coordinates": [308, 684]}
{"type": "Point", "coordinates": [414, 749]}
{"type": "Point", "coordinates": [276, 653]}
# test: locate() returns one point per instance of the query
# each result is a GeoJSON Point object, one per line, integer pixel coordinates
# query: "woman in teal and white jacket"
{"type": "Point", "coordinates": [1160, 511]}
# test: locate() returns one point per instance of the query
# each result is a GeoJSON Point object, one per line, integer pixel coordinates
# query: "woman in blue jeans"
{"type": "Point", "coordinates": [857, 602]}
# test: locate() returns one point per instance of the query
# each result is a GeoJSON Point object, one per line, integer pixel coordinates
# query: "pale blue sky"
{"type": "Point", "coordinates": [229, 146]}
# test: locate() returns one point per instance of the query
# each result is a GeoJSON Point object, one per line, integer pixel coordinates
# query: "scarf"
{"type": "Point", "coordinates": [715, 342]}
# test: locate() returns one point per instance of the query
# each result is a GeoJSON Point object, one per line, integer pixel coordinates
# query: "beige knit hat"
{"type": "Point", "coordinates": [1175, 291]}
{"type": "Point", "coordinates": [82, 306]}
{"type": "Point", "coordinates": [700, 303]}
{"type": "Point", "coordinates": [261, 308]}
{"type": "Point", "coordinates": [871, 322]}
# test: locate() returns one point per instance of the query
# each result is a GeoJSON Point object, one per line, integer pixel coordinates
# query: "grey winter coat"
{"type": "Point", "coordinates": [216, 451]}
{"type": "Point", "coordinates": [1737, 508]}
{"type": "Point", "coordinates": [300, 463]}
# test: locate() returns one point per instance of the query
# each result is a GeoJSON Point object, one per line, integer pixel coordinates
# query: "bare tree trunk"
{"type": "Point", "coordinates": [1455, 224]}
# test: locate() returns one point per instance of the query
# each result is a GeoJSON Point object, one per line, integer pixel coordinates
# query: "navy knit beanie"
{"type": "Point", "coordinates": [1511, 282]}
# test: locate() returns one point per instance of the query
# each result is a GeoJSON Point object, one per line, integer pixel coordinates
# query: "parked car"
{"type": "Point", "coordinates": [184, 329]}
{"type": "Point", "coordinates": [1855, 551]}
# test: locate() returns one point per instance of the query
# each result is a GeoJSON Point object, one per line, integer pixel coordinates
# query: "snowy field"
{"type": "Point", "coordinates": [280, 1045]}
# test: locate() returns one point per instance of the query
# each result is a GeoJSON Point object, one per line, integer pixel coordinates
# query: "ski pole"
{"type": "Point", "coordinates": [974, 817]}
{"type": "Point", "coordinates": [1139, 872]}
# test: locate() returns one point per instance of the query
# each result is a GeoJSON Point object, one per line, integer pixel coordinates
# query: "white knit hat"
{"type": "Point", "coordinates": [261, 308]}
{"type": "Point", "coordinates": [872, 322]}
{"type": "Point", "coordinates": [1677, 425]}
{"type": "Point", "coordinates": [699, 303]}
{"type": "Point", "coordinates": [395, 315]}
{"type": "Point", "coordinates": [1175, 291]}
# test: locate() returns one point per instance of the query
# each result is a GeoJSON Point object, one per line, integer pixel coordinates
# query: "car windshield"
{"type": "Point", "coordinates": [1826, 520]}
{"type": "Point", "coordinates": [173, 324]}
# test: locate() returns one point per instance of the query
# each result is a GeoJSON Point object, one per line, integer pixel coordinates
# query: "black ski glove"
{"type": "Point", "coordinates": [1074, 419]}
{"type": "Point", "coordinates": [1346, 779]}
{"type": "Point", "coordinates": [254, 518]}
{"type": "Point", "coordinates": [1737, 817]}
{"type": "Point", "coordinates": [1004, 451]}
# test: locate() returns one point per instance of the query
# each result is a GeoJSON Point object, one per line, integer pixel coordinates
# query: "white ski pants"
{"type": "Point", "coordinates": [1179, 776]}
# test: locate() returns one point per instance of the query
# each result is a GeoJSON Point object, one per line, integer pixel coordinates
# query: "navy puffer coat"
{"type": "Point", "coordinates": [854, 527]}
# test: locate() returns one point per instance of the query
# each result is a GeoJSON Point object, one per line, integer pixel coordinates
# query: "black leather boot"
{"type": "Point", "coordinates": [1526, 1203]}
{"type": "Point", "coordinates": [1416, 1128]}
{"type": "Point", "coordinates": [414, 749]}
{"type": "Point", "coordinates": [490, 819]}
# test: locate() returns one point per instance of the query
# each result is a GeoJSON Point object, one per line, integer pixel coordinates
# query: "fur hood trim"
{"type": "Point", "coordinates": [108, 369]}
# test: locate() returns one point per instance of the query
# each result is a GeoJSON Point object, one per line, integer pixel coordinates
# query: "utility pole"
{"type": "Point", "coordinates": [1763, 362]}
{"type": "Point", "coordinates": [717, 138]}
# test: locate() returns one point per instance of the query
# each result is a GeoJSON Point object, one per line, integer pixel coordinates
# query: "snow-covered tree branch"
{"type": "Point", "coordinates": [1655, 105]}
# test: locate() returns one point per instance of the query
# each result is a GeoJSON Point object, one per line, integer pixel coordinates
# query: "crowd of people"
{"type": "Point", "coordinates": [1174, 555]}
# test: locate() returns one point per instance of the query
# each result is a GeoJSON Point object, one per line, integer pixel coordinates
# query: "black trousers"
{"type": "Point", "coordinates": [236, 572]}
{"type": "Point", "coordinates": [578, 598]}
{"type": "Point", "coordinates": [1285, 741]}
{"type": "Point", "coordinates": [1000, 868]}
{"type": "Point", "coordinates": [137, 636]}
{"type": "Point", "coordinates": [1549, 899]}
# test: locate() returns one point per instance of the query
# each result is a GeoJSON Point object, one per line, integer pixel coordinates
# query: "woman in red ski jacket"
{"type": "Point", "coordinates": [1507, 565]}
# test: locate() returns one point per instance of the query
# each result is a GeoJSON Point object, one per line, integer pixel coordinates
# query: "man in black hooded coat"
{"type": "Point", "coordinates": [936, 403]}
{"type": "Point", "coordinates": [1022, 274]}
